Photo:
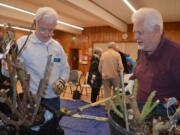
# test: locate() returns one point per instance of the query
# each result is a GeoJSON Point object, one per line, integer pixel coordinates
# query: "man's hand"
{"type": "Point", "coordinates": [59, 86]}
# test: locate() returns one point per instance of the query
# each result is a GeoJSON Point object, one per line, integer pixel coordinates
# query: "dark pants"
{"type": "Point", "coordinates": [52, 103]}
{"type": "Point", "coordinates": [94, 94]}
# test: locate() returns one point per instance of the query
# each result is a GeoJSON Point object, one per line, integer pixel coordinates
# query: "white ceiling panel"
{"type": "Point", "coordinates": [88, 13]}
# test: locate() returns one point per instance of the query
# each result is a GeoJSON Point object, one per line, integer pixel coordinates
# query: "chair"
{"type": "Point", "coordinates": [85, 85]}
{"type": "Point", "coordinates": [74, 80]}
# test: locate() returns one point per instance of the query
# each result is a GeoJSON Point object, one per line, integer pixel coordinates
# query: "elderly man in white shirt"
{"type": "Point", "coordinates": [34, 56]}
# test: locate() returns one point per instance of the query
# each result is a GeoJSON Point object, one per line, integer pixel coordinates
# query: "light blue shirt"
{"type": "Point", "coordinates": [34, 57]}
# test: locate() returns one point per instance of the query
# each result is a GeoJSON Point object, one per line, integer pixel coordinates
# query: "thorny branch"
{"type": "Point", "coordinates": [23, 105]}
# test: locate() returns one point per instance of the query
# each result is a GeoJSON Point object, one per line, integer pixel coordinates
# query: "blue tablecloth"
{"type": "Point", "coordinates": [77, 126]}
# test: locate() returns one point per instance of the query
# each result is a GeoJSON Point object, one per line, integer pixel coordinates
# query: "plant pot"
{"type": "Point", "coordinates": [117, 125]}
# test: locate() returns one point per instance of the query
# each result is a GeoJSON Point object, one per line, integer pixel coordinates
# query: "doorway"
{"type": "Point", "coordinates": [74, 58]}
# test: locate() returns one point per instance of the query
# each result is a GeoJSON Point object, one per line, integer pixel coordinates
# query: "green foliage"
{"type": "Point", "coordinates": [148, 107]}
{"type": "Point", "coordinates": [135, 89]}
{"type": "Point", "coordinates": [115, 109]}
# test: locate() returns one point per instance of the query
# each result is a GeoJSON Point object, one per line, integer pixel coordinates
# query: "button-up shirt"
{"type": "Point", "coordinates": [34, 57]}
{"type": "Point", "coordinates": [159, 71]}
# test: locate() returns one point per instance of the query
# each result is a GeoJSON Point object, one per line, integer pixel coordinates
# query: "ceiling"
{"type": "Point", "coordinates": [88, 13]}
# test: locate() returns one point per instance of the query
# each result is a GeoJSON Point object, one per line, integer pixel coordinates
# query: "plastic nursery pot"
{"type": "Point", "coordinates": [117, 125]}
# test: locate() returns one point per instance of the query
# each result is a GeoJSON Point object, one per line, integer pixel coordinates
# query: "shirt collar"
{"type": "Point", "coordinates": [35, 40]}
{"type": "Point", "coordinates": [158, 50]}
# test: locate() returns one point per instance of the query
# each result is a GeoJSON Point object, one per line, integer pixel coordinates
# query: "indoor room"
{"type": "Point", "coordinates": [90, 67]}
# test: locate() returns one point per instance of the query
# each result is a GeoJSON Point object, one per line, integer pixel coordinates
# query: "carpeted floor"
{"type": "Point", "coordinates": [77, 126]}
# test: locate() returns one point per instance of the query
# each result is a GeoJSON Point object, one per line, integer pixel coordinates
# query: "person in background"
{"type": "Point", "coordinates": [124, 61]}
{"type": "Point", "coordinates": [94, 76]}
{"type": "Point", "coordinates": [39, 46]}
{"type": "Point", "coordinates": [130, 63]}
{"type": "Point", "coordinates": [158, 66]}
{"type": "Point", "coordinates": [110, 67]}
{"type": "Point", "coordinates": [127, 61]}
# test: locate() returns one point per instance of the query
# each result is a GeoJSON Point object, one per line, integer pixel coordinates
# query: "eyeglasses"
{"type": "Point", "coordinates": [45, 30]}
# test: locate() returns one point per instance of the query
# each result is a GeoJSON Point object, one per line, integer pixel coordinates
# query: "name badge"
{"type": "Point", "coordinates": [57, 59]}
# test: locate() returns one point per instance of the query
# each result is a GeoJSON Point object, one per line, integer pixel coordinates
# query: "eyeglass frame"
{"type": "Point", "coordinates": [44, 30]}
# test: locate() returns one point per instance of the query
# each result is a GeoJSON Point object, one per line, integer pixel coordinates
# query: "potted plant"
{"type": "Point", "coordinates": [126, 119]}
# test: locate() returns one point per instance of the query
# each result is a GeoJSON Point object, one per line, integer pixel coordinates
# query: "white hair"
{"type": "Point", "coordinates": [112, 45]}
{"type": "Point", "coordinates": [97, 50]}
{"type": "Point", "coordinates": [150, 16]}
{"type": "Point", "coordinates": [48, 14]}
